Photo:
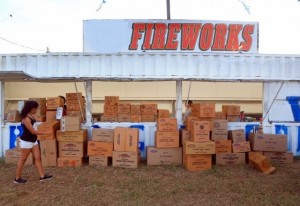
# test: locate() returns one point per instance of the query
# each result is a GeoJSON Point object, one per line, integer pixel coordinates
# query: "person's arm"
{"type": "Point", "coordinates": [27, 123]}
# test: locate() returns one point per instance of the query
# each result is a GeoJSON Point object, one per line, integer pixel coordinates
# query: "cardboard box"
{"type": "Point", "coordinates": [100, 148]}
{"type": "Point", "coordinates": [69, 161]}
{"type": "Point", "coordinates": [231, 109]}
{"type": "Point", "coordinates": [237, 135]}
{"type": "Point", "coordinates": [48, 152]}
{"type": "Point", "coordinates": [148, 108]}
{"type": "Point", "coordinates": [103, 135]}
{"type": "Point", "coordinates": [135, 109]}
{"type": "Point", "coordinates": [203, 110]}
{"type": "Point", "coordinates": [223, 146]}
{"type": "Point", "coordinates": [132, 140]}
{"type": "Point", "coordinates": [51, 116]}
{"type": "Point", "coordinates": [148, 118]}
{"type": "Point", "coordinates": [39, 118]}
{"type": "Point", "coordinates": [75, 113]}
{"type": "Point", "coordinates": [190, 147]}
{"type": "Point", "coordinates": [219, 130]}
{"type": "Point", "coordinates": [119, 139]}
{"type": "Point", "coordinates": [111, 100]}
{"type": "Point", "coordinates": [189, 121]}
{"type": "Point", "coordinates": [163, 113]}
{"type": "Point", "coordinates": [230, 158]}
{"type": "Point", "coordinates": [110, 110]}
{"type": "Point", "coordinates": [167, 124]}
{"type": "Point", "coordinates": [233, 118]}
{"type": "Point", "coordinates": [68, 123]}
{"type": "Point", "coordinates": [74, 96]}
{"type": "Point", "coordinates": [49, 127]}
{"type": "Point", "coordinates": [54, 102]}
{"type": "Point", "coordinates": [165, 156]}
{"type": "Point", "coordinates": [184, 135]}
{"type": "Point", "coordinates": [268, 142]}
{"type": "Point", "coordinates": [12, 156]}
{"type": "Point", "coordinates": [72, 136]}
{"type": "Point", "coordinates": [279, 157]}
{"type": "Point", "coordinates": [126, 159]}
{"type": "Point", "coordinates": [100, 160]}
{"type": "Point", "coordinates": [124, 108]}
{"type": "Point", "coordinates": [200, 131]}
{"type": "Point", "coordinates": [71, 149]}
{"type": "Point", "coordinates": [124, 118]}
{"type": "Point", "coordinates": [13, 116]}
{"type": "Point", "coordinates": [241, 147]}
{"type": "Point", "coordinates": [197, 162]}
{"type": "Point", "coordinates": [220, 115]}
{"type": "Point", "coordinates": [75, 105]}
{"type": "Point", "coordinates": [105, 118]}
{"type": "Point", "coordinates": [261, 163]}
{"type": "Point", "coordinates": [167, 139]}
{"type": "Point", "coordinates": [136, 118]}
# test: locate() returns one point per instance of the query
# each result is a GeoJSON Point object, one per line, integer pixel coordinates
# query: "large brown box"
{"type": "Point", "coordinates": [148, 108]}
{"type": "Point", "coordinates": [230, 158]}
{"type": "Point", "coordinates": [124, 108]}
{"type": "Point", "coordinates": [74, 96]}
{"type": "Point", "coordinates": [163, 113]}
{"type": "Point", "coordinates": [200, 131]}
{"type": "Point", "coordinates": [167, 124]}
{"type": "Point", "coordinates": [48, 152]}
{"type": "Point", "coordinates": [111, 100]}
{"type": "Point", "coordinates": [132, 140]}
{"type": "Point", "coordinates": [237, 135]}
{"type": "Point", "coordinates": [220, 115]}
{"type": "Point", "coordinates": [51, 116]}
{"type": "Point", "coordinates": [49, 127]}
{"type": "Point", "coordinates": [219, 130]}
{"type": "Point", "coordinates": [123, 117]}
{"type": "Point", "coordinates": [268, 142]}
{"type": "Point", "coordinates": [241, 147]}
{"type": "Point", "coordinates": [13, 116]}
{"type": "Point", "coordinates": [223, 146]}
{"type": "Point", "coordinates": [136, 118]}
{"type": "Point", "coordinates": [68, 123]}
{"type": "Point", "coordinates": [72, 136]}
{"type": "Point", "coordinates": [167, 139]}
{"type": "Point", "coordinates": [12, 156]}
{"type": "Point", "coordinates": [164, 156]}
{"type": "Point", "coordinates": [119, 139]}
{"type": "Point", "coordinates": [71, 149]}
{"type": "Point", "coordinates": [100, 160]}
{"type": "Point", "coordinates": [231, 109]}
{"type": "Point", "coordinates": [103, 135]}
{"type": "Point", "coordinates": [75, 105]}
{"type": "Point", "coordinates": [203, 110]}
{"type": "Point", "coordinates": [197, 162]}
{"type": "Point", "coordinates": [106, 118]}
{"type": "Point", "coordinates": [110, 110]}
{"type": "Point", "coordinates": [189, 121]}
{"type": "Point", "coordinates": [279, 157]}
{"type": "Point", "coordinates": [148, 118]}
{"type": "Point", "coordinates": [190, 147]}
{"type": "Point", "coordinates": [126, 159]}
{"type": "Point", "coordinates": [69, 161]}
{"type": "Point", "coordinates": [135, 109]}
{"type": "Point", "coordinates": [100, 148]}
{"type": "Point", "coordinates": [54, 102]}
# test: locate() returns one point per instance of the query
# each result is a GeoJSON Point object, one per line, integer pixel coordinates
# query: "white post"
{"type": "Point", "coordinates": [88, 107]}
{"type": "Point", "coordinates": [2, 97]}
{"type": "Point", "coordinates": [178, 114]}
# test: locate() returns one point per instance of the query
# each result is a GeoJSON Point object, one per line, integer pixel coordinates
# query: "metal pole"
{"type": "Point", "coordinates": [179, 102]}
{"type": "Point", "coordinates": [168, 10]}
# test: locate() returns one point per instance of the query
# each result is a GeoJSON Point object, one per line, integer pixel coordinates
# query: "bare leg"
{"type": "Point", "coordinates": [24, 154]}
{"type": "Point", "coordinates": [37, 159]}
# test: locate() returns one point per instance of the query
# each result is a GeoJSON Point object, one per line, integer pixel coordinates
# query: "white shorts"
{"type": "Point", "coordinates": [27, 145]}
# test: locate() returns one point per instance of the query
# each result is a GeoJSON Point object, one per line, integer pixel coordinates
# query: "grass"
{"type": "Point", "coordinates": [153, 185]}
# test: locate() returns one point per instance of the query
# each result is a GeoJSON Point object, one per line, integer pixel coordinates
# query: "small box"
{"type": "Point", "coordinates": [75, 105]}
{"type": "Point", "coordinates": [203, 110]}
{"type": "Point", "coordinates": [197, 162]}
{"type": "Point", "coordinates": [100, 160]}
{"type": "Point", "coordinates": [164, 156]}
{"type": "Point", "coordinates": [71, 149]}
{"type": "Point", "coordinates": [200, 131]}
{"type": "Point", "coordinates": [124, 108]}
{"type": "Point", "coordinates": [124, 118]}
{"type": "Point", "coordinates": [126, 159]}
{"type": "Point", "coordinates": [100, 148]}
{"type": "Point", "coordinates": [237, 135]}
{"type": "Point", "coordinates": [241, 147]}
{"type": "Point", "coordinates": [119, 139]}
{"type": "Point", "coordinates": [12, 156]}
{"type": "Point", "coordinates": [132, 140]}
{"type": "Point", "coordinates": [51, 116]}
{"type": "Point", "coordinates": [233, 118]}
{"type": "Point", "coordinates": [148, 118]}
{"type": "Point", "coordinates": [230, 158]}
{"type": "Point", "coordinates": [148, 108]}
{"type": "Point", "coordinates": [135, 109]}
{"type": "Point", "coordinates": [223, 146]}
{"type": "Point", "coordinates": [189, 122]}
{"type": "Point", "coordinates": [279, 157]}
{"type": "Point", "coordinates": [111, 100]}
{"type": "Point", "coordinates": [103, 135]}
{"type": "Point", "coordinates": [68, 123]}
{"type": "Point", "coordinates": [49, 127]}
{"type": "Point", "coordinates": [48, 153]}
{"type": "Point", "coordinates": [72, 136]}
{"type": "Point", "coordinates": [167, 139]}
{"type": "Point", "coordinates": [136, 118]}
{"type": "Point", "coordinates": [74, 96]}
{"type": "Point", "coordinates": [219, 130]}
{"type": "Point", "coordinates": [110, 110]}
{"type": "Point", "coordinates": [190, 147]}
{"type": "Point", "coordinates": [231, 109]}
{"type": "Point", "coordinates": [105, 118]}
{"type": "Point", "coordinates": [167, 124]}
{"type": "Point", "coordinates": [69, 161]}
{"type": "Point", "coordinates": [163, 113]}
{"type": "Point", "coordinates": [220, 115]}
{"type": "Point", "coordinates": [54, 102]}
{"type": "Point", "coordinates": [261, 163]}
{"type": "Point", "coordinates": [13, 116]}
{"type": "Point", "coordinates": [268, 142]}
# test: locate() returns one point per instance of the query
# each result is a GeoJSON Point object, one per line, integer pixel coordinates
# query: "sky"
{"type": "Point", "coordinates": [57, 24]}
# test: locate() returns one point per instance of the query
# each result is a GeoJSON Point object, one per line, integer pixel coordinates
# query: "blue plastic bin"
{"type": "Point", "coordinates": [294, 102]}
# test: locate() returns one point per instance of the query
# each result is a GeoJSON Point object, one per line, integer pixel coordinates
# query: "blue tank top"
{"type": "Point", "coordinates": [27, 135]}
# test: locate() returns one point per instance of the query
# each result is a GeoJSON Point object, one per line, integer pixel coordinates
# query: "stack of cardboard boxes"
{"type": "Point", "coordinates": [166, 150]}
{"type": "Point", "coordinates": [110, 109]}
{"type": "Point", "coordinates": [149, 112]}
{"type": "Point", "coordinates": [126, 153]}
{"type": "Point", "coordinates": [12, 156]}
{"type": "Point", "coordinates": [232, 112]}
{"type": "Point", "coordinates": [135, 113]}
{"type": "Point", "coordinates": [100, 148]}
{"type": "Point", "coordinates": [72, 142]}
{"type": "Point", "coordinates": [75, 105]}
{"type": "Point", "coordinates": [124, 112]}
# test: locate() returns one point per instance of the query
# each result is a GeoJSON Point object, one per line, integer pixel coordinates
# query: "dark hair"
{"type": "Point", "coordinates": [190, 102]}
{"type": "Point", "coordinates": [63, 98]}
{"type": "Point", "coordinates": [28, 106]}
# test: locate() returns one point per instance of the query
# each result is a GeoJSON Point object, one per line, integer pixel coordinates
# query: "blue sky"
{"type": "Point", "coordinates": [57, 24]}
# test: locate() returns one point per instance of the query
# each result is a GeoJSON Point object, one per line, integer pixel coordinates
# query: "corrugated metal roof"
{"type": "Point", "coordinates": [158, 66]}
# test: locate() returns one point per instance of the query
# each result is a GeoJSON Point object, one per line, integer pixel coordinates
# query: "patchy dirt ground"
{"type": "Point", "coordinates": [153, 185]}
